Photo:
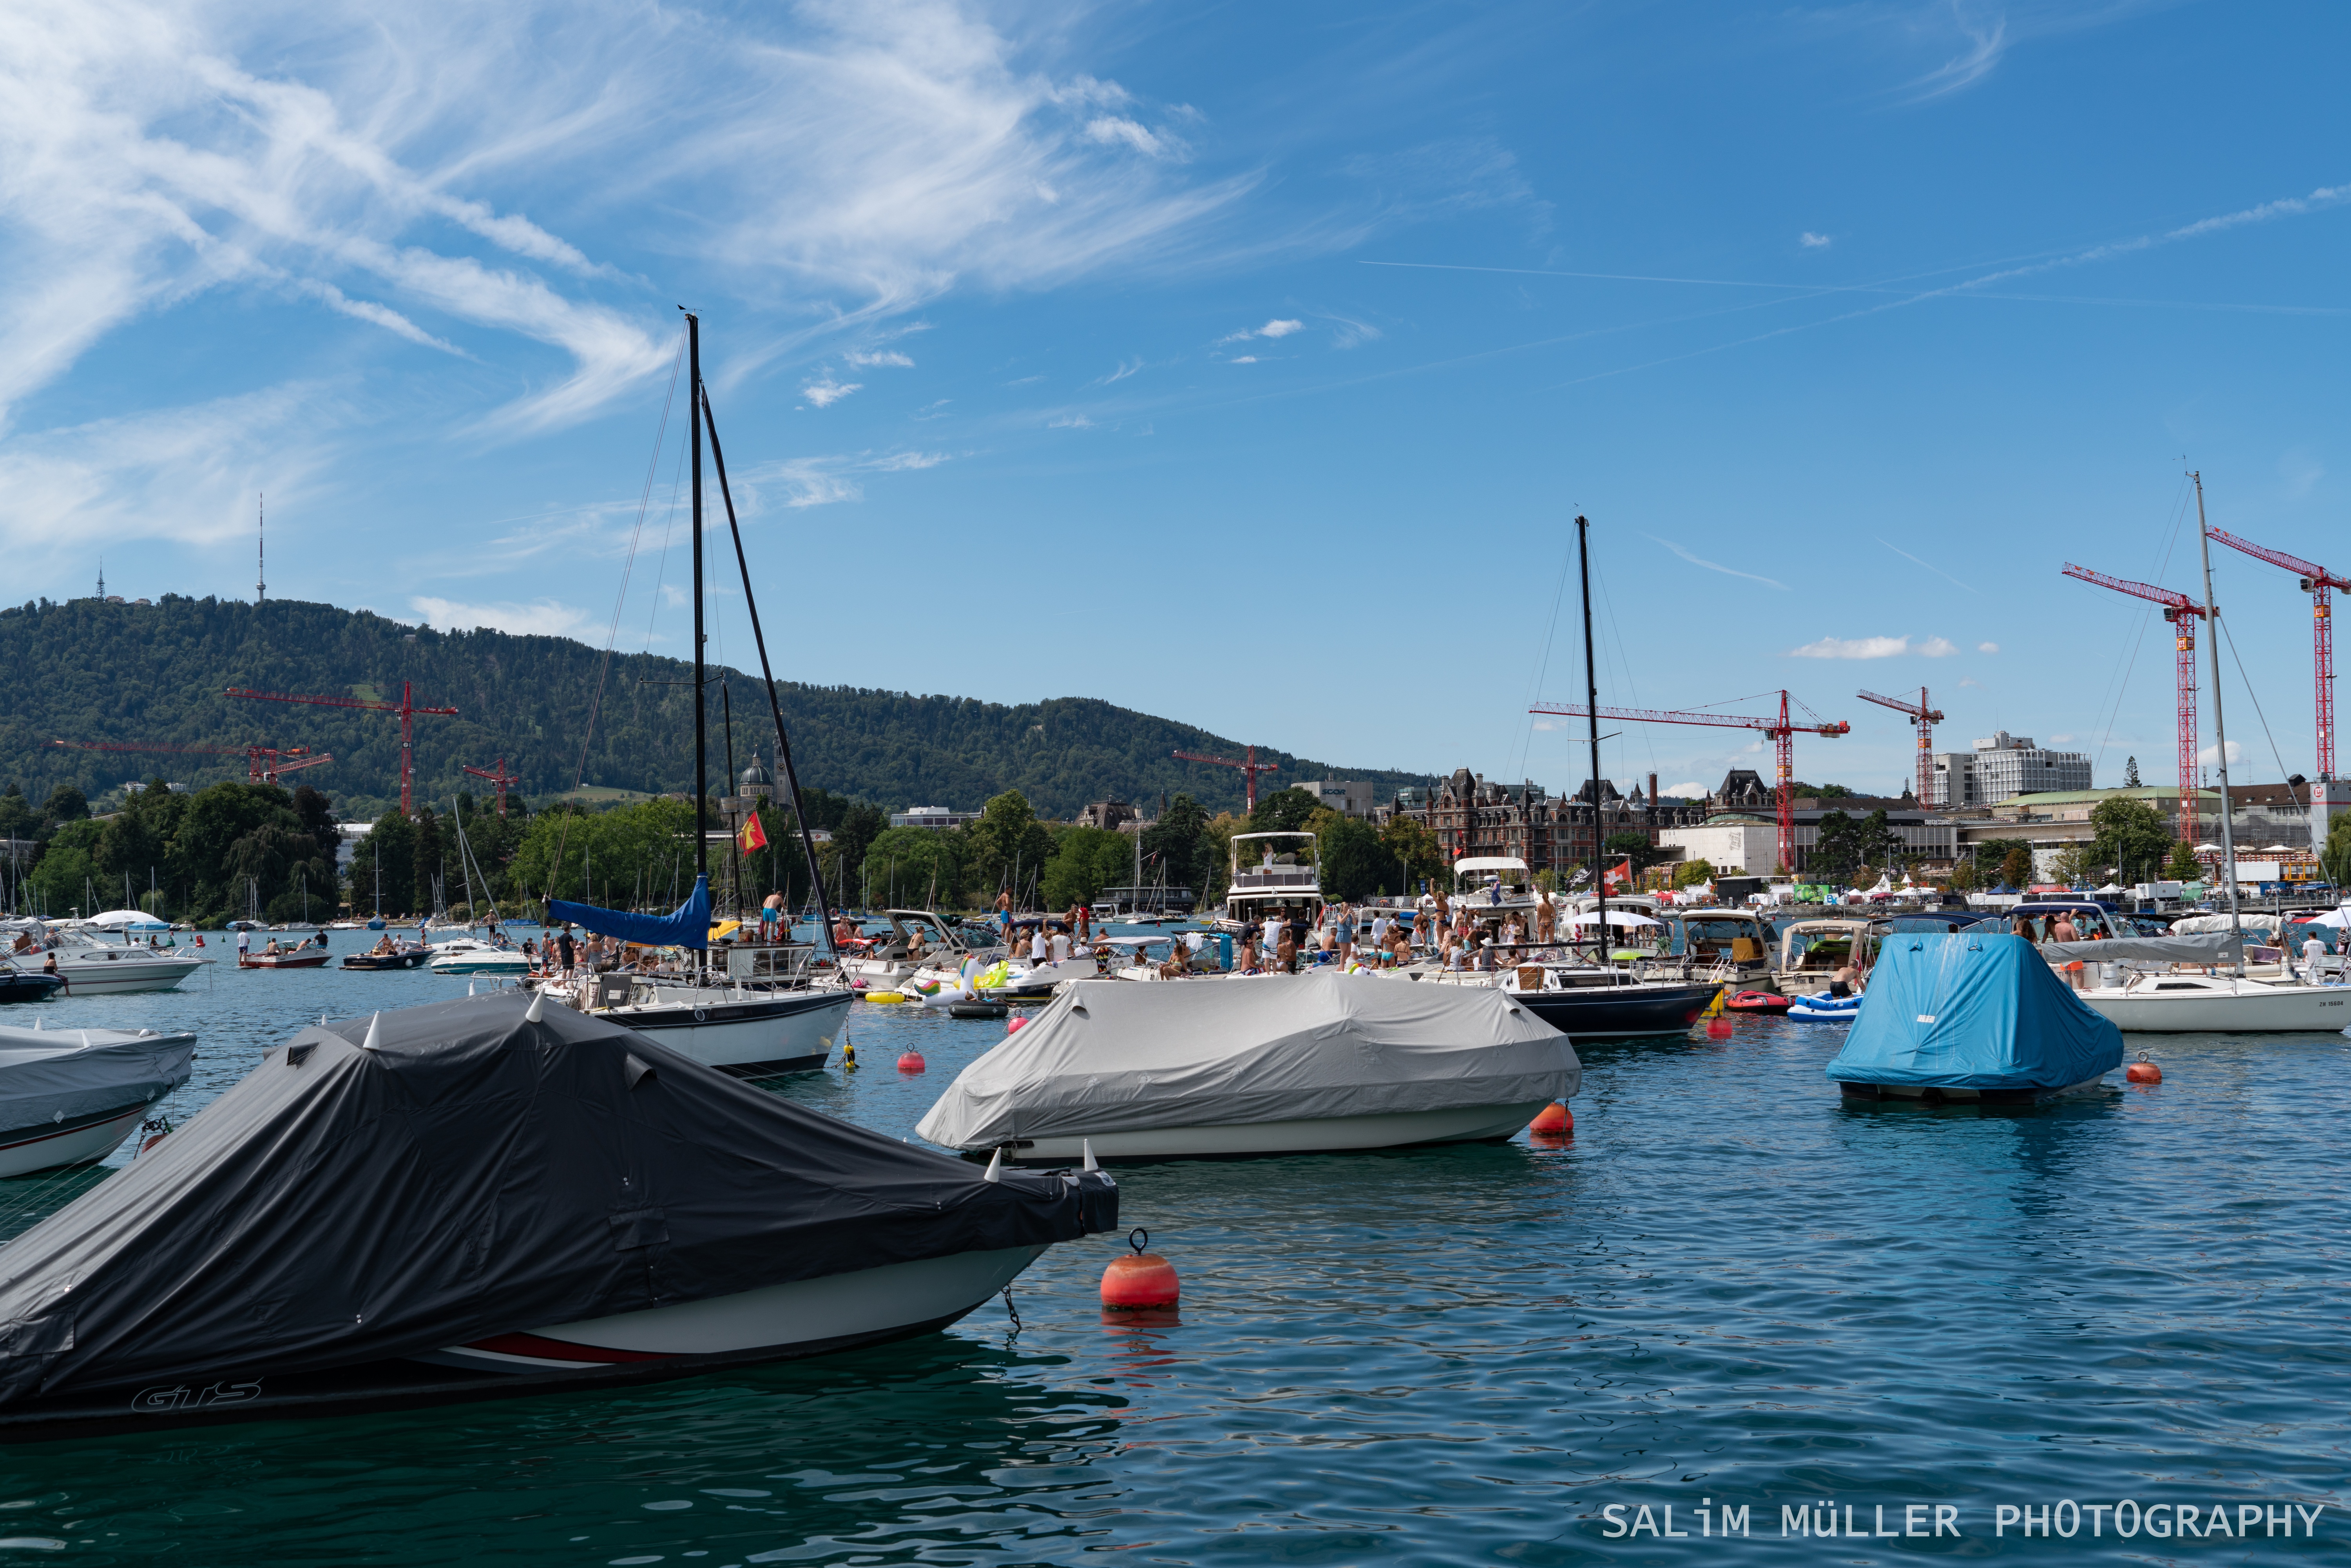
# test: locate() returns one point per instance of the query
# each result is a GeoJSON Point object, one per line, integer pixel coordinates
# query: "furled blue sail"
{"type": "Point", "coordinates": [689, 926]}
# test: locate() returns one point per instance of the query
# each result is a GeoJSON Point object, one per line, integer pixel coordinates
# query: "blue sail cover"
{"type": "Point", "coordinates": [1968, 1011]}
{"type": "Point", "coordinates": [688, 927]}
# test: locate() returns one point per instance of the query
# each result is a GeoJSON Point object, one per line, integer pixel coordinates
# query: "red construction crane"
{"type": "Point", "coordinates": [262, 764]}
{"type": "Point", "coordinates": [501, 779]}
{"type": "Point", "coordinates": [1251, 767]}
{"type": "Point", "coordinates": [2315, 581]}
{"type": "Point", "coordinates": [1924, 719]}
{"type": "Point", "coordinates": [405, 708]}
{"type": "Point", "coordinates": [1781, 731]}
{"type": "Point", "coordinates": [2181, 611]}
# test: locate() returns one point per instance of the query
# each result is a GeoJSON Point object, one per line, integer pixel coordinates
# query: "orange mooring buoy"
{"type": "Point", "coordinates": [1139, 1279]}
{"type": "Point", "coordinates": [912, 1062]}
{"type": "Point", "coordinates": [1553, 1118]}
{"type": "Point", "coordinates": [2143, 1072]}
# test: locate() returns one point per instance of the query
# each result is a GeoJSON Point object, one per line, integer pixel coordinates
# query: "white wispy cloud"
{"type": "Point", "coordinates": [1277, 328]}
{"type": "Point", "coordinates": [824, 391]}
{"type": "Point", "coordinates": [1350, 333]}
{"type": "Point", "coordinates": [1987, 647]}
{"type": "Point", "coordinates": [1937, 648]}
{"type": "Point", "coordinates": [1715, 565]}
{"type": "Point", "coordinates": [1853, 648]}
{"type": "Point", "coordinates": [1685, 789]}
{"type": "Point", "coordinates": [1985, 42]}
{"type": "Point", "coordinates": [800, 482]}
{"type": "Point", "coordinates": [1071, 422]}
{"type": "Point", "coordinates": [540, 617]}
{"type": "Point", "coordinates": [1812, 241]}
{"type": "Point", "coordinates": [1245, 359]}
{"type": "Point", "coordinates": [878, 357]}
{"type": "Point", "coordinates": [1116, 130]}
{"type": "Point", "coordinates": [2210, 756]}
{"type": "Point", "coordinates": [1971, 681]}
{"type": "Point", "coordinates": [1930, 566]}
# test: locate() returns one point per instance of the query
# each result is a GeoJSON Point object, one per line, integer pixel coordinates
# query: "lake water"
{"type": "Point", "coordinates": [1726, 1289]}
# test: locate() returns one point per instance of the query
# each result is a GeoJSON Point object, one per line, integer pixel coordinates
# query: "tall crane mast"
{"type": "Point", "coordinates": [1781, 731]}
{"type": "Point", "coordinates": [1251, 767]}
{"type": "Point", "coordinates": [2316, 581]}
{"type": "Point", "coordinates": [501, 777]}
{"type": "Point", "coordinates": [405, 708]}
{"type": "Point", "coordinates": [2182, 613]}
{"type": "Point", "coordinates": [1924, 718]}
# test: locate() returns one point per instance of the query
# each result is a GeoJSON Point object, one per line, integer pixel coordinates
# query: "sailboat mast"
{"type": "Point", "coordinates": [1592, 707]}
{"type": "Point", "coordinates": [701, 740]}
{"type": "Point", "coordinates": [2220, 729]}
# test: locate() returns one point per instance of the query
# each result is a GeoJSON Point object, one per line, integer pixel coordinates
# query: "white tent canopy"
{"type": "Point", "coordinates": [2110, 888]}
{"type": "Point", "coordinates": [1616, 917]}
{"type": "Point", "coordinates": [128, 920]}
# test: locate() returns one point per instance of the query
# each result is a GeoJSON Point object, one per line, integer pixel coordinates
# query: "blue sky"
{"type": "Point", "coordinates": [1238, 363]}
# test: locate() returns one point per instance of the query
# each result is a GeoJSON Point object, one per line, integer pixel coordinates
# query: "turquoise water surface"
{"type": "Point", "coordinates": [1726, 1289]}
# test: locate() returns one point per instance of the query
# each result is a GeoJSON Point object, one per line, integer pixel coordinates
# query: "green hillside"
{"type": "Point", "coordinates": [90, 670]}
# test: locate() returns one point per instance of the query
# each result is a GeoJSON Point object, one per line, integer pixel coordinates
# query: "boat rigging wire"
{"type": "Point", "coordinates": [2119, 688]}
{"type": "Point", "coordinates": [620, 600]}
{"type": "Point", "coordinates": [1542, 666]}
{"type": "Point", "coordinates": [2257, 705]}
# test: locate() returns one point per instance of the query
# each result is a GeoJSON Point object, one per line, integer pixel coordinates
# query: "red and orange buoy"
{"type": "Point", "coordinates": [912, 1061]}
{"type": "Point", "coordinates": [1139, 1279]}
{"type": "Point", "coordinates": [1554, 1117]}
{"type": "Point", "coordinates": [2143, 1072]}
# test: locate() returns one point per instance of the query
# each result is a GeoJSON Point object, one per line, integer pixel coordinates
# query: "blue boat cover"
{"type": "Point", "coordinates": [689, 926]}
{"type": "Point", "coordinates": [1968, 1011]}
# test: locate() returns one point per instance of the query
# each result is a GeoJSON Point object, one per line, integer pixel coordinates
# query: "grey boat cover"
{"type": "Point", "coordinates": [2194, 947]}
{"type": "Point", "coordinates": [52, 1075]}
{"type": "Point", "coordinates": [1115, 1056]}
{"type": "Point", "coordinates": [474, 1174]}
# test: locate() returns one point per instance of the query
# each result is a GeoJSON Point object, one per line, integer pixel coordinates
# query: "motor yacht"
{"type": "Point", "coordinates": [1813, 951]}
{"type": "Point", "coordinates": [90, 966]}
{"type": "Point", "coordinates": [471, 956]}
{"type": "Point", "coordinates": [71, 1096]}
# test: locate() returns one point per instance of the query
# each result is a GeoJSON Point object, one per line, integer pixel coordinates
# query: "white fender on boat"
{"type": "Point", "coordinates": [538, 1008]}
{"type": "Point", "coordinates": [995, 1171]}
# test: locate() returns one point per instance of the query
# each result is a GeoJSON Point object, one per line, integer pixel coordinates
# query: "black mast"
{"type": "Point", "coordinates": [701, 843]}
{"type": "Point", "coordinates": [1591, 708]}
{"type": "Point", "coordinates": [766, 673]}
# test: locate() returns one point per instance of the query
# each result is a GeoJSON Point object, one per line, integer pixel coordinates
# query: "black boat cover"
{"type": "Point", "coordinates": [474, 1173]}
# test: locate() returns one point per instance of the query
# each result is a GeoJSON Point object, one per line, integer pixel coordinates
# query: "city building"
{"type": "Point", "coordinates": [931, 816]}
{"type": "Point", "coordinates": [1471, 816]}
{"type": "Point", "coordinates": [1745, 840]}
{"type": "Point", "coordinates": [1348, 797]}
{"type": "Point", "coordinates": [2003, 764]}
{"type": "Point", "coordinates": [1110, 814]}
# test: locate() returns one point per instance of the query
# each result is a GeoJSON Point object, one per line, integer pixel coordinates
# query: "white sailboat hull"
{"type": "Point", "coordinates": [1327, 1135]}
{"type": "Point", "coordinates": [865, 1303]}
{"type": "Point", "coordinates": [2246, 1006]}
{"type": "Point", "coordinates": [749, 1035]}
{"type": "Point", "coordinates": [89, 972]}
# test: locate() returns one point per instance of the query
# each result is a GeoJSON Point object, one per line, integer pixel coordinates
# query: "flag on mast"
{"type": "Point", "coordinates": [753, 836]}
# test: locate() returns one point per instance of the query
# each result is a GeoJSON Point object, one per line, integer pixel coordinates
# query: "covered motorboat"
{"type": "Point", "coordinates": [71, 1096]}
{"type": "Point", "coordinates": [1286, 1064]}
{"type": "Point", "coordinates": [472, 956]}
{"type": "Point", "coordinates": [1971, 1017]}
{"type": "Point", "coordinates": [484, 1198]}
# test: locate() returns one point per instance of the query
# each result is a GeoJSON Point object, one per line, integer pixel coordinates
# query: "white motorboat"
{"type": "Point", "coordinates": [1285, 886]}
{"type": "Point", "coordinates": [1284, 1065]}
{"type": "Point", "coordinates": [93, 968]}
{"type": "Point", "coordinates": [2219, 1004]}
{"type": "Point", "coordinates": [742, 1030]}
{"type": "Point", "coordinates": [1813, 951]}
{"type": "Point", "coordinates": [920, 940]}
{"type": "Point", "coordinates": [71, 1096]}
{"type": "Point", "coordinates": [469, 955]}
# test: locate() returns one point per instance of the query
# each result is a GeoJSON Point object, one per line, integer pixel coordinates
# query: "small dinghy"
{"type": "Point", "coordinates": [1286, 1064]}
{"type": "Point", "coordinates": [1765, 1002]}
{"type": "Point", "coordinates": [1825, 1009]}
{"type": "Point", "coordinates": [71, 1096]}
{"type": "Point", "coordinates": [475, 1199]}
{"type": "Point", "coordinates": [1974, 1017]}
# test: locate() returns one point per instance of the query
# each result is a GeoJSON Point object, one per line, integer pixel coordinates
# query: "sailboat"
{"type": "Point", "coordinates": [2169, 1001]}
{"type": "Point", "coordinates": [748, 1029]}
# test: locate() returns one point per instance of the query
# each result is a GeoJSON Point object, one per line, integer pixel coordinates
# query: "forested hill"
{"type": "Point", "coordinates": [90, 670]}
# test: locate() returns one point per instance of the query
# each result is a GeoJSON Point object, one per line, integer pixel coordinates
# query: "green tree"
{"type": "Point", "coordinates": [2130, 773]}
{"type": "Point", "coordinates": [1179, 840]}
{"type": "Point", "coordinates": [1836, 848]}
{"type": "Point", "coordinates": [2335, 854]}
{"type": "Point", "coordinates": [237, 846]}
{"type": "Point", "coordinates": [18, 818]}
{"type": "Point", "coordinates": [1350, 857]}
{"type": "Point", "coordinates": [918, 868]}
{"type": "Point", "coordinates": [1008, 848]}
{"type": "Point", "coordinates": [65, 876]}
{"type": "Point", "coordinates": [2131, 836]}
{"type": "Point", "coordinates": [2183, 865]}
{"type": "Point", "coordinates": [1283, 811]}
{"type": "Point", "coordinates": [1635, 847]}
{"type": "Point", "coordinates": [2075, 865]}
{"type": "Point", "coordinates": [383, 868]}
{"type": "Point", "coordinates": [1691, 873]}
{"type": "Point", "coordinates": [1085, 860]}
{"type": "Point", "coordinates": [2016, 866]}
{"type": "Point", "coordinates": [630, 857]}
{"type": "Point", "coordinates": [1408, 842]}
{"type": "Point", "coordinates": [65, 804]}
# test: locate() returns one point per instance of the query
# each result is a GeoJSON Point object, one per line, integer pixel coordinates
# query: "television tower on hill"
{"type": "Point", "coordinates": [260, 547]}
